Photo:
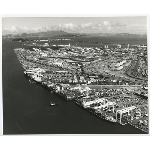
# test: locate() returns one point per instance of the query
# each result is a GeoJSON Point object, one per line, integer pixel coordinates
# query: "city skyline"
{"type": "Point", "coordinates": [133, 25]}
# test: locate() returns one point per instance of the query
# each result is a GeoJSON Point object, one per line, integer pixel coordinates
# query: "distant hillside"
{"type": "Point", "coordinates": [116, 35]}
{"type": "Point", "coordinates": [49, 33]}
{"type": "Point", "coordinates": [73, 35]}
{"type": "Point", "coordinates": [61, 33]}
{"type": "Point", "coordinates": [38, 34]}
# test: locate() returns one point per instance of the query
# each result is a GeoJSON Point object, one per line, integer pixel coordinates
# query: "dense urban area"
{"type": "Point", "coordinates": [110, 82]}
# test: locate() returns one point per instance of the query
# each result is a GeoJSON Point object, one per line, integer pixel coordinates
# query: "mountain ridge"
{"type": "Point", "coordinates": [67, 34]}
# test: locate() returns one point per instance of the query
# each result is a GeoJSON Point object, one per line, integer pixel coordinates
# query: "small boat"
{"type": "Point", "coordinates": [53, 104]}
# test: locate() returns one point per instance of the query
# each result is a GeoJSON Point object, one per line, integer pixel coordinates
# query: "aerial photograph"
{"type": "Point", "coordinates": [75, 75]}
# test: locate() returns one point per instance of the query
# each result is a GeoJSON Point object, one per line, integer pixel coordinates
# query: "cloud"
{"type": "Point", "coordinates": [12, 28]}
{"type": "Point", "coordinates": [36, 29]}
{"type": "Point", "coordinates": [87, 25]}
{"type": "Point", "coordinates": [106, 23]}
{"type": "Point", "coordinates": [104, 27]}
{"type": "Point", "coordinates": [109, 28]}
{"type": "Point", "coordinates": [69, 26]}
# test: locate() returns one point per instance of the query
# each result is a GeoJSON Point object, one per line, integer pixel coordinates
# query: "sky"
{"type": "Point", "coordinates": [75, 24]}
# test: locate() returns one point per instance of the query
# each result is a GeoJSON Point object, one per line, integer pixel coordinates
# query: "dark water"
{"type": "Point", "coordinates": [26, 106]}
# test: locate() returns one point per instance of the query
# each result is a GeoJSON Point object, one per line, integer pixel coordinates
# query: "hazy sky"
{"type": "Point", "coordinates": [106, 24]}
